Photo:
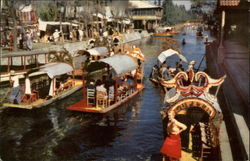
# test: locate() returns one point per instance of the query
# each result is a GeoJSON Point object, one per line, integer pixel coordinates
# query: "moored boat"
{"type": "Point", "coordinates": [34, 93]}
{"type": "Point", "coordinates": [190, 102]}
{"type": "Point", "coordinates": [114, 91]}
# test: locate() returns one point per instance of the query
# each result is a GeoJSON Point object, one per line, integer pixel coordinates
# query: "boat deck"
{"type": "Point", "coordinates": [79, 106]}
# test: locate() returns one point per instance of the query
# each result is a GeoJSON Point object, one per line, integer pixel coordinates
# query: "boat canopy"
{"type": "Point", "coordinates": [55, 69]}
{"type": "Point", "coordinates": [121, 64]}
{"type": "Point", "coordinates": [98, 51]}
{"type": "Point", "coordinates": [163, 29]}
{"type": "Point", "coordinates": [167, 53]}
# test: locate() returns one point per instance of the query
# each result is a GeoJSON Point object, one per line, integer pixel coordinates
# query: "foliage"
{"type": "Point", "coordinates": [47, 12]}
{"type": "Point", "coordinates": [173, 14]}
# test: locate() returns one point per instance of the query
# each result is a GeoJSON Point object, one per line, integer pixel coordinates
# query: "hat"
{"type": "Point", "coordinates": [12, 72]}
{"type": "Point", "coordinates": [192, 62]}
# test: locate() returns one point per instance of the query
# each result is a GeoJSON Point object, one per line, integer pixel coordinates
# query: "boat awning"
{"type": "Point", "coordinates": [121, 64]}
{"type": "Point", "coordinates": [167, 53]}
{"type": "Point", "coordinates": [98, 51]}
{"type": "Point", "coordinates": [55, 69]}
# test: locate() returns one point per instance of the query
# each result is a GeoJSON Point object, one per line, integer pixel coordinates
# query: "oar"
{"type": "Point", "coordinates": [200, 63]}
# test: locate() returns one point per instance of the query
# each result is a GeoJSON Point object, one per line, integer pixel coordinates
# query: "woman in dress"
{"type": "Point", "coordinates": [171, 148]}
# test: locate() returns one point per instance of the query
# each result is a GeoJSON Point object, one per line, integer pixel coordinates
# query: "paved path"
{"type": "Point", "coordinates": [236, 94]}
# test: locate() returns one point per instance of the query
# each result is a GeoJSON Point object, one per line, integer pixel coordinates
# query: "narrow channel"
{"type": "Point", "coordinates": [132, 132]}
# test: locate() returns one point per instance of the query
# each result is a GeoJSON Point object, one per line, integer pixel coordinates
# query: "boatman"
{"type": "Point", "coordinates": [15, 94]}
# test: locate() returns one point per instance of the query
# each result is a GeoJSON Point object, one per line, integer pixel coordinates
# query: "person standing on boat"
{"type": "Point", "coordinates": [15, 94]}
{"type": "Point", "coordinates": [171, 147]}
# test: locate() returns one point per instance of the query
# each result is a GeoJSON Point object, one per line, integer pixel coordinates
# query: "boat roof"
{"type": "Point", "coordinates": [167, 53]}
{"type": "Point", "coordinates": [121, 64]}
{"type": "Point", "coordinates": [55, 69]}
{"type": "Point", "coordinates": [98, 51]}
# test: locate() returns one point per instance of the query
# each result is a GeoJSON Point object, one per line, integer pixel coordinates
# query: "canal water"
{"type": "Point", "coordinates": [132, 132]}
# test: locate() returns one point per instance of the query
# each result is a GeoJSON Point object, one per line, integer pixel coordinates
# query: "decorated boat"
{"type": "Point", "coordinates": [190, 101]}
{"type": "Point", "coordinates": [123, 80]}
{"type": "Point", "coordinates": [54, 81]}
{"type": "Point", "coordinates": [164, 70]}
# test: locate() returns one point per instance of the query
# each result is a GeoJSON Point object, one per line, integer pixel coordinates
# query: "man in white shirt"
{"type": "Point", "coordinates": [56, 35]}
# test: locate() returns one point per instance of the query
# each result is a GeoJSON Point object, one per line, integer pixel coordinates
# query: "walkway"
{"type": "Point", "coordinates": [236, 94]}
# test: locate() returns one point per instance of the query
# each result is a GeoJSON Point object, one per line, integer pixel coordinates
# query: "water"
{"type": "Point", "coordinates": [132, 132]}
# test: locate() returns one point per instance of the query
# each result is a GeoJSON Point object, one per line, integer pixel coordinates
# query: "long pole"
{"type": "Point", "coordinates": [200, 63]}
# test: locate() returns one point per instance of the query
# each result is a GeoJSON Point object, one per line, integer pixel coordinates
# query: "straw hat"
{"type": "Point", "coordinates": [12, 72]}
{"type": "Point", "coordinates": [192, 62]}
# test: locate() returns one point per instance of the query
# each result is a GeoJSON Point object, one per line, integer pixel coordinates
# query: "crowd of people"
{"type": "Point", "coordinates": [26, 37]}
{"type": "Point", "coordinates": [165, 71]}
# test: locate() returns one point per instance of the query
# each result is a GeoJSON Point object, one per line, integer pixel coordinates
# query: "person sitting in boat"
{"type": "Point", "coordinates": [15, 94]}
{"type": "Point", "coordinates": [131, 83]}
{"type": "Point", "coordinates": [171, 148]}
{"type": "Point", "coordinates": [90, 85]}
{"type": "Point", "coordinates": [165, 74]}
{"type": "Point", "coordinates": [155, 72]}
{"type": "Point", "coordinates": [100, 87]}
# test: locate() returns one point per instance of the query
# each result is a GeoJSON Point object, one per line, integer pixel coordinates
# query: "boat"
{"type": "Point", "coordinates": [156, 72]}
{"type": "Point", "coordinates": [46, 79]}
{"type": "Point", "coordinates": [190, 102]}
{"type": "Point", "coordinates": [121, 65]}
{"type": "Point", "coordinates": [163, 32]}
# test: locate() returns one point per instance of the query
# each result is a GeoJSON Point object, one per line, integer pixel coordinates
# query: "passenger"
{"type": "Point", "coordinates": [15, 94]}
{"type": "Point", "coordinates": [131, 83]}
{"type": "Point", "coordinates": [155, 72]}
{"type": "Point", "coordinates": [91, 85]}
{"type": "Point", "coordinates": [110, 87]}
{"type": "Point", "coordinates": [100, 87]}
{"type": "Point", "coordinates": [171, 147]}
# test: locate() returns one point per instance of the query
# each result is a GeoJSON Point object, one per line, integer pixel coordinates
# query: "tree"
{"type": "Point", "coordinates": [173, 14]}
{"type": "Point", "coordinates": [48, 12]}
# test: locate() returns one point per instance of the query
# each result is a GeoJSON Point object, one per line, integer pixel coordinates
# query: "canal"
{"type": "Point", "coordinates": [132, 132]}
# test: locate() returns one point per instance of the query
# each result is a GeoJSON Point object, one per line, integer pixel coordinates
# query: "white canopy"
{"type": "Point", "coordinates": [55, 69]}
{"type": "Point", "coordinates": [98, 51]}
{"type": "Point", "coordinates": [43, 24]}
{"type": "Point", "coordinates": [121, 64]}
{"type": "Point", "coordinates": [167, 53]}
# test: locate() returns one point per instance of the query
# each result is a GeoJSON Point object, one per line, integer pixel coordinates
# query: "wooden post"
{"type": "Point", "coordinates": [220, 56]}
{"type": "Point", "coordinates": [24, 62]}
{"type": "Point", "coordinates": [8, 64]}
{"type": "Point", "coordinates": [115, 90]}
{"type": "Point", "coordinates": [83, 89]}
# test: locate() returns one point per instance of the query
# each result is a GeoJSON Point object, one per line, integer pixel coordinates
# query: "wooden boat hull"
{"type": "Point", "coordinates": [155, 81]}
{"type": "Point", "coordinates": [43, 102]}
{"type": "Point", "coordinates": [79, 105]}
{"type": "Point", "coordinates": [162, 35]}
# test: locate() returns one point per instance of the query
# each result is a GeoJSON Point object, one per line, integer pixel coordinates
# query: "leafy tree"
{"type": "Point", "coordinates": [173, 14]}
{"type": "Point", "coordinates": [48, 12]}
